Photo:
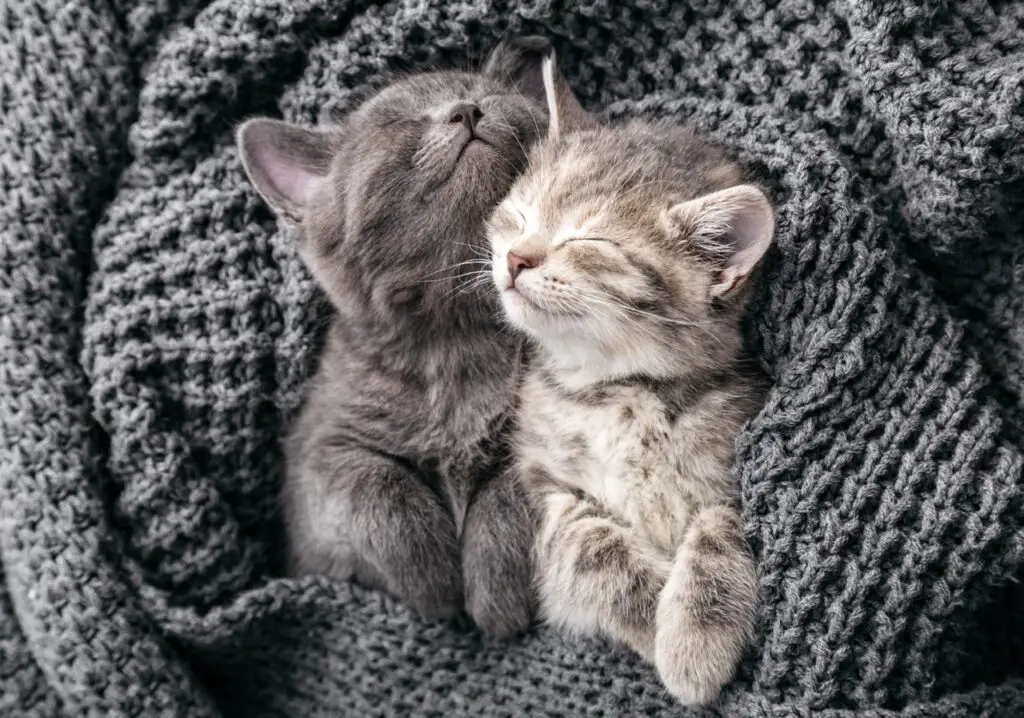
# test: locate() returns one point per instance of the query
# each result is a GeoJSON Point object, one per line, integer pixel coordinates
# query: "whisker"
{"type": "Point", "coordinates": [478, 262]}
{"type": "Point", "coordinates": [475, 280]}
{"type": "Point", "coordinates": [622, 311]}
{"type": "Point", "coordinates": [477, 250]}
{"type": "Point", "coordinates": [536, 125]}
{"type": "Point", "coordinates": [658, 318]}
{"type": "Point", "coordinates": [504, 121]}
{"type": "Point", "coordinates": [625, 311]}
{"type": "Point", "coordinates": [455, 278]}
{"type": "Point", "coordinates": [515, 170]}
{"type": "Point", "coordinates": [533, 116]}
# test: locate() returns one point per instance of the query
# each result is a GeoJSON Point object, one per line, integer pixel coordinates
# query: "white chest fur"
{"type": "Point", "coordinates": [649, 463]}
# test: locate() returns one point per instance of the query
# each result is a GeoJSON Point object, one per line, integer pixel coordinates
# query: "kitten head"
{"type": "Point", "coordinates": [627, 250]}
{"type": "Point", "coordinates": [391, 202]}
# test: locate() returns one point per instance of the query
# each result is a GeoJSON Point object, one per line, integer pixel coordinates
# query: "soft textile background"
{"type": "Point", "coordinates": [156, 330]}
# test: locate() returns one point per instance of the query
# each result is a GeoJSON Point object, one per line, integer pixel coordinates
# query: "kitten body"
{"type": "Point", "coordinates": [395, 473]}
{"type": "Point", "coordinates": [624, 253]}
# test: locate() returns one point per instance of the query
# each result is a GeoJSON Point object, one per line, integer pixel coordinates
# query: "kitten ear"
{"type": "Point", "coordinates": [735, 226]}
{"type": "Point", "coordinates": [565, 113]}
{"type": "Point", "coordinates": [285, 163]}
{"type": "Point", "coordinates": [517, 62]}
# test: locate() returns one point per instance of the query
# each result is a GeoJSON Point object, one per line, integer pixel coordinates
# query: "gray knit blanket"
{"type": "Point", "coordinates": [156, 331]}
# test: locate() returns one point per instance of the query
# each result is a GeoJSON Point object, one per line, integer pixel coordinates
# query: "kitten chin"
{"type": "Point", "coordinates": [624, 253]}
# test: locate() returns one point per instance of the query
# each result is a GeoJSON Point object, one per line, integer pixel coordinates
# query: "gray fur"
{"type": "Point", "coordinates": [625, 252]}
{"type": "Point", "coordinates": [155, 331]}
{"type": "Point", "coordinates": [394, 462]}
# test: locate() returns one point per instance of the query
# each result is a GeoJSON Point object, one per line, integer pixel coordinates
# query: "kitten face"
{"type": "Point", "coordinates": [587, 223]}
{"type": "Point", "coordinates": [391, 202]}
{"type": "Point", "coordinates": [422, 165]}
{"type": "Point", "coordinates": [434, 143]}
{"type": "Point", "coordinates": [629, 246]}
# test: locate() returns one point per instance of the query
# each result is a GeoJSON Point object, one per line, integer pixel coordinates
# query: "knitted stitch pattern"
{"type": "Point", "coordinates": [157, 329]}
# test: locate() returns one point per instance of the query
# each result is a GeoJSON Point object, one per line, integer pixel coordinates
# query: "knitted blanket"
{"type": "Point", "coordinates": [157, 329]}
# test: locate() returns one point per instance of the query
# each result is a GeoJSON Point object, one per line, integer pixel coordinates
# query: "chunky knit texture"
{"type": "Point", "coordinates": [156, 331]}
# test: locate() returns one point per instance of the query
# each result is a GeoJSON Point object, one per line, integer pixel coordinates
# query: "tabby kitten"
{"type": "Point", "coordinates": [394, 463]}
{"type": "Point", "coordinates": [624, 252]}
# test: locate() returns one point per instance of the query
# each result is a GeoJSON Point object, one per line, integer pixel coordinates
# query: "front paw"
{"type": "Point", "coordinates": [706, 610]}
{"type": "Point", "coordinates": [501, 603]}
{"type": "Point", "coordinates": [409, 548]}
{"type": "Point", "coordinates": [693, 674]}
{"type": "Point", "coordinates": [425, 574]}
{"type": "Point", "coordinates": [497, 561]}
{"type": "Point", "coordinates": [694, 658]}
{"type": "Point", "coordinates": [432, 589]}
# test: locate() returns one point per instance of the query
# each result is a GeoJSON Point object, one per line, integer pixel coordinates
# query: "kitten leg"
{"type": "Point", "coordinates": [595, 575]}
{"type": "Point", "coordinates": [706, 612]}
{"type": "Point", "coordinates": [497, 557]}
{"type": "Point", "coordinates": [372, 518]}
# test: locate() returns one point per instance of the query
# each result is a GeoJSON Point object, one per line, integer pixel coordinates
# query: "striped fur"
{"type": "Point", "coordinates": [637, 243]}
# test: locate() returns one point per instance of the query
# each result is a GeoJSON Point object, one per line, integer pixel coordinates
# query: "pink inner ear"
{"type": "Point", "coordinates": [292, 181]}
{"type": "Point", "coordinates": [752, 228]}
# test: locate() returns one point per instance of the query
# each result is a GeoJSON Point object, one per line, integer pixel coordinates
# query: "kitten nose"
{"type": "Point", "coordinates": [517, 263]}
{"type": "Point", "coordinates": [465, 113]}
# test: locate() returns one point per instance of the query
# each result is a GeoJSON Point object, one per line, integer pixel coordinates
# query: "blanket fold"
{"type": "Point", "coordinates": [157, 330]}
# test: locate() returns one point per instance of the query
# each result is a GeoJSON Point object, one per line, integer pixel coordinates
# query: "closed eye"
{"type": "Point", "coordinates": [508, 219]}
{"type": "Point", "coordinates": [522, 219]}
{"type": "Point", "coordinates": [390, 117]}
{"type": "Point", "coordinates": [603, 240]}
{"type": "Point", "coordinates": [399, 122]}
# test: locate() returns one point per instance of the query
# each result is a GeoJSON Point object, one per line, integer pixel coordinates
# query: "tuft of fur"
{"type": "Point", "coordinates": [395, 462]}
{"type": "Point", "coordinates": [625, 254]}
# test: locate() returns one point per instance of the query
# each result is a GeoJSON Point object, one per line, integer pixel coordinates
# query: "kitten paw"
{"type": "Point", "coordinates": [499, 608]}
{"type": "Point", "coordinates": [439, 596]}
{"type": "Point", "coordinates": [691, 680]}
{"type": "Point", "coordinates": [706, 610]}
{"type": "Point", "coordinates": [407, 546]}
{"type": "Point", "coordinates": [431, 586]}
{"type": "Point", "coordinates": [497, 559]}
{"type": "Point", "coordinates": [694, 661]}
{"type": "Point", "coordinates": [499, 581]}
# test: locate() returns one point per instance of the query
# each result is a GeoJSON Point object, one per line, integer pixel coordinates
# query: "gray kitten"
{"type": "Point", "coordinates": [624, 253]}
{"type": "Point", "coordinates": [394, 463]}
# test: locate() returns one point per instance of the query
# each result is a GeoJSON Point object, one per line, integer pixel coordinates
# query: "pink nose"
{"type": "Point", "coordinates": [517, 263]}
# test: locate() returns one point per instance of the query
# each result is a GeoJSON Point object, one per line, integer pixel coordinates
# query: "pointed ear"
{"type": "Point", "coordinates": [734, 227]}
{"type": "Point", "coordinates": [285, 163]}
{"type": "Point", "coordinates": [517, 62]}
{"type": "Point", "coordinates": [565, 113]}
